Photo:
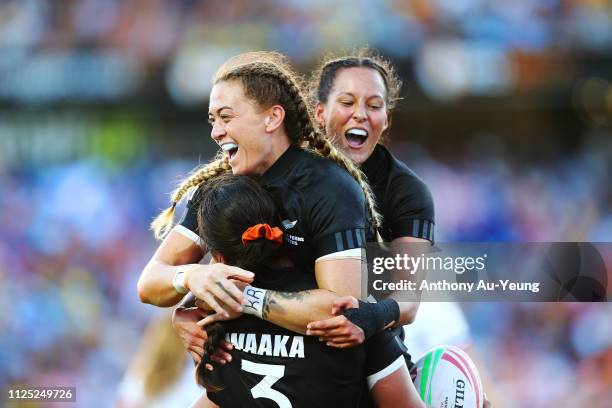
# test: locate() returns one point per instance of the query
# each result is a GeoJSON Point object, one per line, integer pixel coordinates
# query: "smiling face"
{"type": "Point", "coordinates": [239, 128]}
{"type": "Point", "coordinates": [355, 114]}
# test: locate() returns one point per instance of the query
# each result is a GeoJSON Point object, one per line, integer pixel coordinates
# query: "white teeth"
{"type": "Point", "coordinates": [358, 132]}
{"type": "Point", "coordinates": [226, 147]}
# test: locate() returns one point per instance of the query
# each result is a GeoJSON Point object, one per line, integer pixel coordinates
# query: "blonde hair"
{"type": "Point", "coordinates": [160, 358]}
{"type": "Point", "coordinates": [162, 224]}
{"type": "Point", "coordinates": [267, 80]}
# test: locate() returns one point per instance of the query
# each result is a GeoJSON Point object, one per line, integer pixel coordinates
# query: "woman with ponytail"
{"type": "Point", "coordinates": [353, 97]}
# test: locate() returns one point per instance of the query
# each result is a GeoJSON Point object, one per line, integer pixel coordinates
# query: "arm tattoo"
{"type": "Point", "coordinates": [298, 296]}
{"type": "Point", "coordinates": [266, 304]}
{"type": "Point", "coordinates": [272, 297]}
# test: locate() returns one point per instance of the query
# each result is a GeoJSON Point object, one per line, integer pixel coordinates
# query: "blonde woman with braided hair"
{"type": "Point", "coordinates": [262, 123]}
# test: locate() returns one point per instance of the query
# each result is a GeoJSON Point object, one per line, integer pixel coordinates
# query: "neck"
{"type": "Point", "coordinates": [280, 146]}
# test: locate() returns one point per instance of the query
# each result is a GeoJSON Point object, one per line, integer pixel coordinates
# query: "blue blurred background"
{"type": "Point", "coordinates": [506, 114]}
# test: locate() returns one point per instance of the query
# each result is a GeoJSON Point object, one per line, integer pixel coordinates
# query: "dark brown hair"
{"type": "Point", "coordinates": [322, 80]}
{"type": "Point", "coordinates": [227, 206]}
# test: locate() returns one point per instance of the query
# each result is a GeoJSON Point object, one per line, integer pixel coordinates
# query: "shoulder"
{"type": "Point", "coordinates": [407, 203]}
{"type": "Point", "coordinates": [404, 183]}
{"type": "Point", "coordinates": [324, 176]}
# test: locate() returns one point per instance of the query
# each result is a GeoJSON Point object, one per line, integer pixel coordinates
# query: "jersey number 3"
{"type": "Point", "coordinates": [272, 373]}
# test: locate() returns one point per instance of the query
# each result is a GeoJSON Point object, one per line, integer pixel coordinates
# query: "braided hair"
{"type": "Point", "coordinates": [162, 224]}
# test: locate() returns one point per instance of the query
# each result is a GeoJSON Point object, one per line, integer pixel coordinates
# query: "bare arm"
{"type": "Point", "coordinates": [155, 282]}
{"type": "Point", "coordinates": [294, 310]}
{"type": "Point", "coordinates": [210, 283]}
{"type": "Point", "coordinates": [335, 330]}
{"type": "Point", "coordinates": [340, 277]}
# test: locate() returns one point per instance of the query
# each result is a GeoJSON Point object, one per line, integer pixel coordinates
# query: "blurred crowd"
{"type": "Point", "coordinates": [101, 50]}
{"type": "Point", "coordinates": [78, 187]}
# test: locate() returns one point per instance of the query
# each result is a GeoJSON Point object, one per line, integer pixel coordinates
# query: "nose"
{"type": "Point", "coordinates": [217, 131]}
{"type": "Point", "coordinates": [359, 113]}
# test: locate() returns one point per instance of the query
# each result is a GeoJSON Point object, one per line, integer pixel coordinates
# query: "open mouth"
{"type": "Point", "coordinates": [356, 137]}
{"type": "Point", "coordinates": [230, 148]}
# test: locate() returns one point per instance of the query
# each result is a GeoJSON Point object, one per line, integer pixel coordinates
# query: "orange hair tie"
{"type": "Point", "coordinates": [262, 231]}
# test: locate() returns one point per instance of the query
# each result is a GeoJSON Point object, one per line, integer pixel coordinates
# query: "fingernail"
{"type": "Point", "coordinates": [229, 359]}
{"type": "Point", "coordinates": [328, 343]}
{"type": "Point", "coordinates": [308, 332]}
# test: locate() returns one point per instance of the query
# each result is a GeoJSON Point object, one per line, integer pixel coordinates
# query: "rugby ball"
{"type": "Point", "coordinates": [448, 378]}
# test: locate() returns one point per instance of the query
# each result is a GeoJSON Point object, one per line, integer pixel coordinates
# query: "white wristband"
{"type": "Point", "coordinates": [179, 279]}
{"type": "Point", "coordinates": [254, 298]}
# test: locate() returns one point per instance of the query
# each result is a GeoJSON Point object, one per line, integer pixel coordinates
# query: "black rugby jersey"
{"type": "Point", "coordinates": [402, 197]}
{"type": "Point", "coordinates": [322, 208]}
{"type": "Point", "coordinates": [275, 367]}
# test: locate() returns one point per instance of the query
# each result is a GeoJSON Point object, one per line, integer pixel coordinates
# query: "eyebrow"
{"type": "Point", "coordinates": [218, 110]}
{"type": "Point", "coordinates": [353, 95]}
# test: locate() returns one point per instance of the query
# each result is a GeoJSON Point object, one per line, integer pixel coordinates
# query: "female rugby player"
{"type": "Point", "coordinates": [354, 97]}
{"type": "Point", "coordinates": [237, 223]}
{"type": "Point", "coordinates": [261, 121]}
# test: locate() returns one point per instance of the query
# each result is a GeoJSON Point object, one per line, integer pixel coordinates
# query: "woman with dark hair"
{"type": "Point", "coordinates": [353, 97]}
{"type": "Point", "coordinates": [238, 223]}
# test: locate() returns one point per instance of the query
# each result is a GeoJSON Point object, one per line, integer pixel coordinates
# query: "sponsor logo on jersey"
{"type": "Point", "coordinates": [267, 344]}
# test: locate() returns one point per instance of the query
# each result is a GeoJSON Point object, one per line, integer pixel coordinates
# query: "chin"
{"type": "Point", "coordinates": [357, 157]}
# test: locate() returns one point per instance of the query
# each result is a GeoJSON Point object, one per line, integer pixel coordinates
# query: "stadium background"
{"type": "Point", "coordinates": [507, 116]}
